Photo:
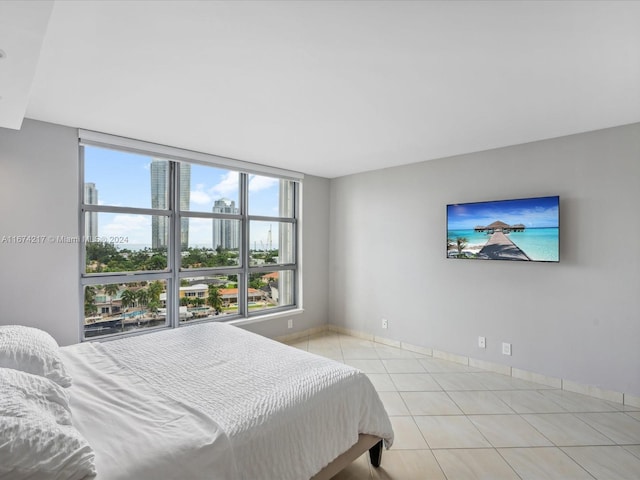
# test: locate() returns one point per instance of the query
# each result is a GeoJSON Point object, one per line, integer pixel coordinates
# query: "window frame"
{"type": "Point", "coordinates": [174, 272]}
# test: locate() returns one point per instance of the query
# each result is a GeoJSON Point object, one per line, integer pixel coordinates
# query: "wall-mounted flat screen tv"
{"type": "Point", "coordinates": [525, 229]}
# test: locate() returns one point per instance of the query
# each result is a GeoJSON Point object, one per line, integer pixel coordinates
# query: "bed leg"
{"type": "Point", "coordinates": [375, 454]}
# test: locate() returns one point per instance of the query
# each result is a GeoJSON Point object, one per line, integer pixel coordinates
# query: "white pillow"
{"type": "Point", "coordinates": [35, 447]}
{"type": "Point", "coordinates": [37, 440]}
{"type": "Point", "coordinates": [22, 393]}
{"type": "Point", "coordinates": [33, 351]}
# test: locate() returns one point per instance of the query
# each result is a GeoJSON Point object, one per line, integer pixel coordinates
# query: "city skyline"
{"type": "Point", "coordinates": [123, 181]}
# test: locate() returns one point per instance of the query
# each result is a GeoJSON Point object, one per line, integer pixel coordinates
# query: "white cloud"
{"type": "Point", "coordinates": [227, 187]}
{"type": "Point", "coordinates": [257, 183]}
{"type": "Point", "coordinates": [200, 197]}
{"type": "Point", "coordinates": [200, 231]}
{"type": "Point", "coordinates": [136, 229]}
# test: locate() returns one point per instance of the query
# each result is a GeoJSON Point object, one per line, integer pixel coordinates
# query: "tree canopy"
{"type": "Point", "coordinates": [105, 257]}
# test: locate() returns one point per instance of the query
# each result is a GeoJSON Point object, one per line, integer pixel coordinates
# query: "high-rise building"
{"type": "Point", "coordinates": [160, 200]}
{"type": "Point", "coordinates": [185, 197]}
{"type": "Point", "coordinates": [226, 233]}
{"type": "Point", "coordinates": [91, 218]}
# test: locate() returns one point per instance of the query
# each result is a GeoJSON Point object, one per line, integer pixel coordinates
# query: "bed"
{"type": "Point", "coordinates": [212, 401]}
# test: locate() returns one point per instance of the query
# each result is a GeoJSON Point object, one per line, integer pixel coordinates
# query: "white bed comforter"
{"type": "Point", "coordinates": [214, 401]}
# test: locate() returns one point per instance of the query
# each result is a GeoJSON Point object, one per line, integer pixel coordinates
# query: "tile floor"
{"type": "Point", "coordinates": [454, 422]}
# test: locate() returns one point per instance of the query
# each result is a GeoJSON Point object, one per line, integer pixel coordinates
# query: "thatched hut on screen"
{"type": "Point", "coordinates": [499, 226]}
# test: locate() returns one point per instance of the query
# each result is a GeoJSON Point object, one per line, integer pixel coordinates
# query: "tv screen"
{"type": "Point", "coordinates": [525, 229]}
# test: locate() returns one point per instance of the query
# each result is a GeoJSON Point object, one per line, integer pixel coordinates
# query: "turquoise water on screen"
{"type": "Point", "coordinates": [540, 244]}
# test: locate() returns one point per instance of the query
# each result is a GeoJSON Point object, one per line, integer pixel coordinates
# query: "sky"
{"type": "Point", "coordinates": [124, 179]}
{"type": "Point", "coordinates": [531, 212]}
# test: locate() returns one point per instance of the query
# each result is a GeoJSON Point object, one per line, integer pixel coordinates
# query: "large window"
{"type": "Point", "coordinates": [172, 237]}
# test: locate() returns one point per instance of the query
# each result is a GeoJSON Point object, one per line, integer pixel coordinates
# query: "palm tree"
{"type": "Point", "coordinates": [142, 296]}
{"type": "Point", "coordinates": [461, 244]}
{"type": "Point", "coordinates": [128, 298]}
{"type": "Point", "coordinates": [112, 290]}
{"type": "Point", "coordinates": [154, 305]}
{"type": "Point", "coordinates": [89, 300]}
{"type": "Point", "coordinates": [214, 298]}
{"type": "Point", "coordinates": [155, 289]}
{"type": "Point", "coordinates": [199, 301]}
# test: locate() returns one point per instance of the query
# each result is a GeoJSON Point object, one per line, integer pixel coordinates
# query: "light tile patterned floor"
{"type": "Point", "coordinates": [454, 422]}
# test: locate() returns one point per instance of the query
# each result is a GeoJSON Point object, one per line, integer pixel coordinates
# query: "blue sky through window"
{"type": "Point", "coordinates": [124, 179]}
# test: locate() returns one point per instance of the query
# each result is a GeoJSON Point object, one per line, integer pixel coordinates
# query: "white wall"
{"type": "Point", "coordinates": [39, 196]}
{"type": "Point", "coordinates": [578, 320]}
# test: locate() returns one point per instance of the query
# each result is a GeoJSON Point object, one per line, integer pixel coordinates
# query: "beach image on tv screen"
{"type": "Point", "coordinates": [521, 230]}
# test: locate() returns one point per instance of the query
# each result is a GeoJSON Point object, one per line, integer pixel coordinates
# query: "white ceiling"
{"type": "Point", "coordinates": [22, 29]}
{"type": "Point", "coordinates": [327, 88]}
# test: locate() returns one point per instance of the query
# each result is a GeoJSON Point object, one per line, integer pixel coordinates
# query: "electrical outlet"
{"type": "Point", "coordinates": [385, 323]}
{"type": "Point", "coordinates": [506, 349]}
{"type": "Point", "coordinates": [290, 323]}
{"type": "Point", "coordinates": [482, 342]}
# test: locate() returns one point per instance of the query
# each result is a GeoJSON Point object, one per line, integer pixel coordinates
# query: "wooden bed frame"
{"type": "Point", "coordinates": [364, 443]}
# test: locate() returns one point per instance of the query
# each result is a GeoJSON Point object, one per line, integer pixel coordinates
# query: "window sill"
{"type": "Point", "coordinates": [263, 318]}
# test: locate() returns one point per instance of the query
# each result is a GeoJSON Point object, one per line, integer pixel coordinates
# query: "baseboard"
{"type": "Point", "coordinates": [348, 331]}
{"type": "Point", "coordinates": [632, 400]}
{"type": "Point", "coordinates": [491, 367]}
{"type": "Point", "coordinates": [564, 384]}
{"type": "Point", "coordinates": [416, 349]}
{"type": "Point", "coordinates": [451, 357]}
{"type": "Point", "coordinates": [536, 378]}
{"type": "Point", "coordinates": [593, 391]}
{"type": "Point", "coordinates": [301, 334]}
